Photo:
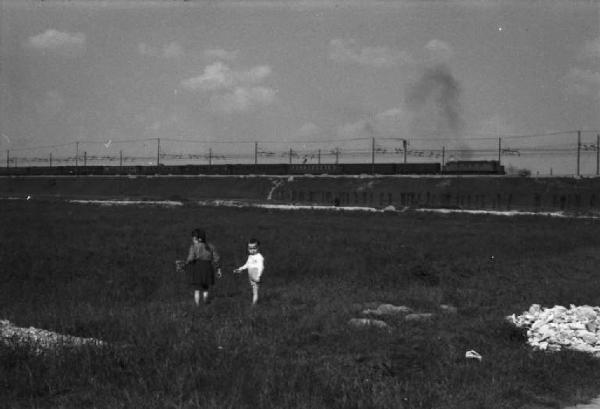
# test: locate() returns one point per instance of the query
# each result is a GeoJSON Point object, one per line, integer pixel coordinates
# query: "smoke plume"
{"type": "Point", "coordinates": [435, 98]}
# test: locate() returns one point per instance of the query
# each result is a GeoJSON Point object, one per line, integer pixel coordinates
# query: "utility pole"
{"type": "Point", "coordinates": [158, 152]}
{"type": "Point", "coordinates": [499, 150]}
{"type": "Point", "coordinates": [291, 156]}
{"type": "Point", "coordinates": [443, 156]}
{"type": "Point", "coordinates": [578, 150]}
{"type": "Point", "coordinates": [84, 159]}
{"type": "Point", "coordinates": [597, 154]}
{"type": "Point", "coordinates": [255, 153]}
{"type": "Point", "coordinates": [373, 155]}
{"type": "Point", "coordinates": [77, 154]}
{"type": "Point", "coordinates": [404, 145]}
{"type": "Point", "coordinates": [319, 156]}
{"type": "Point", "coordinates": [50, 159]}
{"type": "Point", "coordinates": [121, 158]}
{"type": "Point", "coordinates": [209, 156]}
{"type": "Point", "coordinates": [336, 152]}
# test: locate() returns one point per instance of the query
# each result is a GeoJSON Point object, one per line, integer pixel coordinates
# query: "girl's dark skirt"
{"type": "Point", "coordinates": [200, 274]}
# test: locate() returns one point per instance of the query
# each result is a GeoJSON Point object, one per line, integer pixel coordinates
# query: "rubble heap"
{"type": "Point", "coordinates": [39, 339]}
{"type": "Point", "coordinates": [550, 329]}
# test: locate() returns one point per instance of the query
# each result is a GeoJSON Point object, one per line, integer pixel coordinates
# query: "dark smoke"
{"type": "Point", "coordinates": [437, 85]}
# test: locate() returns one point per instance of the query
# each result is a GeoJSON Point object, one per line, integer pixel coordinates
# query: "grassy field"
{"type": "Point", "coordinates": [108, 273]}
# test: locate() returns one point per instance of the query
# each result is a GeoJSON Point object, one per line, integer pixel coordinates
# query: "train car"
{"type": "Point", "coordinates": [314, 169]}
{"type": "Point", "coordinates": [257, 169]}
{"type": "Point", "coordinates": [426, 168]}
{"type": "Point", "coordinates": [474, 167]}
{"type": "Point", "coordinates": [368, 168]}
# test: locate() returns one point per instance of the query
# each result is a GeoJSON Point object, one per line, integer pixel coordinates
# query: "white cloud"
{"type": "Point", "coordinates": [353, 130]}
{"type": "Point", "coordinates": [583, 82]}
{"type": "Point", "coordinates": [307, 130]}
{"type": "Point", "coordinates": [393, 122]}
{"type": "Point", "coordinates": [171, 50]}
{"type": "Point", "coordinates": [64, 43]}
{"type": "Point", "coordinates": [216, 76]}
{"type": "Point", "coordinates": [220, 54]}
{"type": "Point", "coordinates": [439, 50]}
{"type": "Point", "coordinates": [219, 76]}
{"type": "Point", "coordinates": [233, 90]}
{"type": "Point", "coordinates": [242, 99]}
{"type": "Point", "coordinates": [348, 51]}
{"type": "Point", "coordinates": [254, 75]}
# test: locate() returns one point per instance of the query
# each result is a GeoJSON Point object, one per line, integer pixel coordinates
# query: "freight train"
{"type": "Point", "coordinates": [454, 168]}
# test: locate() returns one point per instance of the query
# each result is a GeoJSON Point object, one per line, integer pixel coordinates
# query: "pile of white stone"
{"type": "Point", "coordinates": [40, 340]}
{"type": "Point", "coordinates": [551, 329]}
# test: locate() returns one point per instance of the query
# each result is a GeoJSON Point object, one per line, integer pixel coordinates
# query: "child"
{"type": "Point", "coordinates": [255, 266]}
{"type": "Point", "coordinates": [200, 265]}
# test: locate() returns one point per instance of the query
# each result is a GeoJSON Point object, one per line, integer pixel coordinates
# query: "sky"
{"type": "Point", "coordinates": [193, 79]}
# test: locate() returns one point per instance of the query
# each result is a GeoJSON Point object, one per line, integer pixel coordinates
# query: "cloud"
{"type": "Point", "coordinates": [591, 49]}
{"type": "Point", "coordinates": [216, 76]}
{"type": "Point", "coordinates": [219, 76]}
{"type": "Point", "coordinates": [583, 82]}
{"type": "Point", "coordinates": [68, 44]}
{"type": "Point", "coordinates": [307, 130]}
{"type": "Point", "coordinates": [242, 99]}
{"type": "Point", "coordinates": [348, 51]}
{"type": "Point", "coordinates": [393, 122]}
{"type": "Point", "coordinates": [439, 50]}
{"type": "Point", "coordinates": [220, 54]}
{"type": "Point", "coordinates": [233, 90]}
{"type": "Point", "coordinates": [171, 50]}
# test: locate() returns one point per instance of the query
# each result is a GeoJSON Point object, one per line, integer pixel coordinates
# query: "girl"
{"type": "Point", "coordinates": [255, 266]}
{"type": "Point", "coordinates": [200, 265]}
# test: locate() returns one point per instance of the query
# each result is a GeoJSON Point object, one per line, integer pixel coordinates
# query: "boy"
{"type": "Point", "coordinates": [255, 266]}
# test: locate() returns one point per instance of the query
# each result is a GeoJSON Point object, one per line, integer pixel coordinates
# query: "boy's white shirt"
{"type": "Point", "coordinates": [255, 266]}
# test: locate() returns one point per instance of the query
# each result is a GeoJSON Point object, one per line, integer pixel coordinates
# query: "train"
{"type": "Point", "coordinates": [430, 168]}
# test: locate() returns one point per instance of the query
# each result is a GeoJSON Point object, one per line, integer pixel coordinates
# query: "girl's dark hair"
{"type": "Point", "coordinates": [201, 235]}
{"type": "Point", "coordinates": [254, 241]}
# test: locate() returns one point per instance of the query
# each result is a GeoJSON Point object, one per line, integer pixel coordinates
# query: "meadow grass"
{"type": "Point", "coordinates": [108, 273]}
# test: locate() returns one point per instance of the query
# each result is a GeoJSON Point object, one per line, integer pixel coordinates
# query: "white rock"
{"type": "Point", "coordinates": [365, 322]}
{"type": "Point", "coordinates": [387, 309]}
{"type": "Point", "coordinates": [418, 316]}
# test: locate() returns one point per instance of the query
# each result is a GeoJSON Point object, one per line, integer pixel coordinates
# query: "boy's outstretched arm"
{"type": "Point", "coordinates": [239, 269]}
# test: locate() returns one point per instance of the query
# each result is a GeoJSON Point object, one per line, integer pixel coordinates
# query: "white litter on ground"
{"type": "Point", "coordinates": [472, 354]}
{"type": "Point", "coordinates": [235, 203]}
{"type": "Point", "coordinates": [40, 340]}
{"type": "Point", "coordinates": [510, 213]}
{"type": "Point", "coordinates": [167, 203]}
{"type": "Point", "coordinates": [551, 329]}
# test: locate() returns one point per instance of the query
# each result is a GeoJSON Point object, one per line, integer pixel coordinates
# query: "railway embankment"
{"type": "Point", "coordinates": [570, 194]}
